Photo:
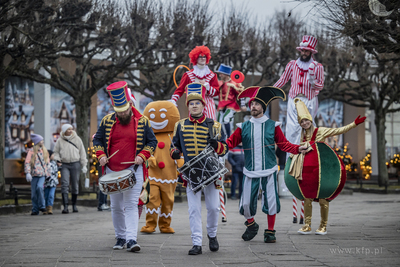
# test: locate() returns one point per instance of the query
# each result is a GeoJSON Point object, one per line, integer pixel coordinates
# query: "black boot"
{"type": "Point", "coordinates": [74, 197]}
{"type": "Point", "coordinates": [213, 243]}
{"type": "Point", "coordinates": [65, 203]}
{"type": "Point", "coordinates": [251, 231]}
{"type": "Point", "coordinates": [195, 250]}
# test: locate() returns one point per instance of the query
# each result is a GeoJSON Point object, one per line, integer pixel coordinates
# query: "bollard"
{"type": "Point", "coordinates": [11, 189]}
{"type": "Point", "coordinates": [15, 196]}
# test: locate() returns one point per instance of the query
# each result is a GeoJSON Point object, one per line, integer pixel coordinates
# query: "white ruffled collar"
{"type": "Point", "coordinates": [201, 72]}
{"type": "Point", "coordinates": [262, 119]}
{"type": "Point", "coordinates": [304, 65]}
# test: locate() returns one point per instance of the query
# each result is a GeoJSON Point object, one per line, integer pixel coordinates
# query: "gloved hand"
{"type": "Point", "coordinates": [359, 120]}
{"type": "Point", "coordinates": [176, 154]}
{"type": "Point", "coordinates": [213, 142]}
{"type": "Point", "coordinates": [84, 169]}
{"type": "Point", "coordinates": [173, 102]}
{"type": "Point", "coordinates": [311, 73]}
{"type": "Point", "coordinates": [28, 177]}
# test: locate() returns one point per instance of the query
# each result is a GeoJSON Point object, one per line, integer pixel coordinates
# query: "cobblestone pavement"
{"type": "Point", "coordinates": [363, 230]}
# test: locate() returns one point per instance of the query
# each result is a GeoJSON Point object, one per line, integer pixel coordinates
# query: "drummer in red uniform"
{"type": "Point", "coordinates": [124, 136]}
{"type": "Point", "coordinates": [191, 136]}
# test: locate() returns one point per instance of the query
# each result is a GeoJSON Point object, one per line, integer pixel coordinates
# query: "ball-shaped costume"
{"type": "Point", "coordinates": [162, 169]}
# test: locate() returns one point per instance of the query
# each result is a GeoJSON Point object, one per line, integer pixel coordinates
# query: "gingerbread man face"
{"type": "Point", "coordinates": [162, 115]}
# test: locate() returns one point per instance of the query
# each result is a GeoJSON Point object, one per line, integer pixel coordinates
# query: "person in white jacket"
{"type": "Point", "coordinates": [70, 153]}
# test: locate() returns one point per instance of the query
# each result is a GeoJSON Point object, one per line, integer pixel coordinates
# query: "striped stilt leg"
{"type": "Point", "coordinates": [294, 209]}
{"type": "Point", "coordinates": [302, 213]}
{"type": "Point", "coordinates": [222, 203]}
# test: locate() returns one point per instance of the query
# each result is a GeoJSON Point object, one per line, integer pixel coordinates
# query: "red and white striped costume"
{"type": "Point", "coordinates": [210, 82]}
{"type": "Point", "coordinates": [297, 72]}
{"type": "Point", "coordinates": [307, 79]}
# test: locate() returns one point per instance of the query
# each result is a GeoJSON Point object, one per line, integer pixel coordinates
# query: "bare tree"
{"type": "Point", "coordinates": [17, 42]}
{"type": "Point", "coordinates": [178, 26]}
{"type": "Point", "coordinates": [368, 70]}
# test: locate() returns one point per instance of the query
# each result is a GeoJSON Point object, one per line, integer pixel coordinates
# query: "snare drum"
{"type": "Point", "coordinates": [117, 182]}
{"type": "Point", "coordinates": [202, 170]}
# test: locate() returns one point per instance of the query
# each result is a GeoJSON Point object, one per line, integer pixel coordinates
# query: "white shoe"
{"type": "Point", "coordinates": [105, 207]}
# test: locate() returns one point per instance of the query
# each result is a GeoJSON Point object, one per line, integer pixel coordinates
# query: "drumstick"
{"type": "Point", "coordinates": [112, 155]}
{"type": "Point", "coordinates": [171, 141]}
{"type": "Point", "coordinates": [128, 162]}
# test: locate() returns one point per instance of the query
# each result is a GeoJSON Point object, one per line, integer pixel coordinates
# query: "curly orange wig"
{"type": "Point", "coordinates": [197, 51]}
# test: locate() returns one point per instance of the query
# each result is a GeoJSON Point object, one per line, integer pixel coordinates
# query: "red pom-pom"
{"type": "Point", "coordinates": [300, 84]}
{"type": "Point", "coordinates": [161, 145]}
{"type": "Point", "coordinates": [301, 73]}
{"type": "Point", "coordinates": [161, 165]}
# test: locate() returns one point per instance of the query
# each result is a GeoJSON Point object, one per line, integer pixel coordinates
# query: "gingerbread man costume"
{"type": "Point", "coordinates": [162, 169]}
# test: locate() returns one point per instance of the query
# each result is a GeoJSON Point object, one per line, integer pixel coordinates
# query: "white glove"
{"type": "Point", "coordinates": [219, 182]}
{"type": "Point", "coordinates": [173, 102]}
{"type": "Point", "coordinates": [311, 73]}
{"type": "Point", "coordinates": [207, 86]}
{"type": "Point", "coordinates": [84, 169]}
{"type": "Point", "coordinates": [28, 177]}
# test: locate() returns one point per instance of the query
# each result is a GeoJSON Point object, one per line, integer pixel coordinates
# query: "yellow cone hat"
{"type": "Point", "coordinates": [302, 110]}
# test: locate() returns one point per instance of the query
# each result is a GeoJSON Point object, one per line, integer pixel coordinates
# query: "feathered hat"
{"type": "Point", "coordinates": [197, 51]}
{"type": "Point", "coordinates": [195, 91]}
{"type": "Point", "coordinates": [308, 43]}
{"type": "Point", "coordinates": [263, 95]}
{"type": "Point", "coordinates": [119, 96]}
{"type": "Point", "coordinates": [302, 110]}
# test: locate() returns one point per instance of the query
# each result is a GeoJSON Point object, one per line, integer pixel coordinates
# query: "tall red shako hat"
{"type": "Point", "coordinates": [197, 51]}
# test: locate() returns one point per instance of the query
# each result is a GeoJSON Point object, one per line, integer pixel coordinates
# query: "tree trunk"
{"type": "Point", "coordinates": [82, 105]}
{"type": "Point", "coordinates": [380, 119]}
{"type": "Point", "coordinates": [2, 115]}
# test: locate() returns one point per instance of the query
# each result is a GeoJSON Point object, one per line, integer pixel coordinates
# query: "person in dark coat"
{"type": "Point", "coordinates": [236, 159]}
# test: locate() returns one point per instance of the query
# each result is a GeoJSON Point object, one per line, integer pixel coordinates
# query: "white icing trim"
{"type": "Point", "coordinates": [151, 211]}
{"type": "Point", "coordinates": [166, 215]}
{"type": "Point", "coordinates": [163, 180]}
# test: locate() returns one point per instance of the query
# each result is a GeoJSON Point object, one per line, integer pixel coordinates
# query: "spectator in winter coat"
{"type": "Point", "coordinates": [70, 153]}
{"type": "Point", "coordinates": [36, 169]}
{"type": "Point", "coordinates": [50, 184]}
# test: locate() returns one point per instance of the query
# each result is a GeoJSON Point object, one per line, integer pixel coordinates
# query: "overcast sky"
{"type": "Point", "coordinates": [266, 8]}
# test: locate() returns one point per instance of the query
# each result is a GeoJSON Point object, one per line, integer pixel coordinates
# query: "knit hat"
{"type": "Point", "coordinates": [36, 138]}
{"type": "Point", "coordinates": [65, 127]}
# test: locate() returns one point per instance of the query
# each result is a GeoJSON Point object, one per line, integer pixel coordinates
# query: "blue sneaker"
{"type": "Point", "coordinates": [120, 244]}
{"type": "Point", "coordinates": [132, 246]}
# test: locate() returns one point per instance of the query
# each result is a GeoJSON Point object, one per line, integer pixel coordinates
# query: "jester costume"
{"type": "Point", "coordinates": [259, 136]}
{"type": "Point", "coordinates": [320, 174]}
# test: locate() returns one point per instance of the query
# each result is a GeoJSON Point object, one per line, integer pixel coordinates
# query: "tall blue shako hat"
{"type": "Point", "coordinates": [195, 91]}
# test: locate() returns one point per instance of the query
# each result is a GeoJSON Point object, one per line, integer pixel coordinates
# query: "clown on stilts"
{"type": "Point", "coordinates": [307, 80]}
{"type": "Point", "coordinates": [200, 57]}
{"type": "Point", "coordinates": [259, 136]}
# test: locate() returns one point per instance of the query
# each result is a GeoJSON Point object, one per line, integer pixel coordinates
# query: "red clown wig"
{"type": "Point", "coordinates": [197, 51]}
